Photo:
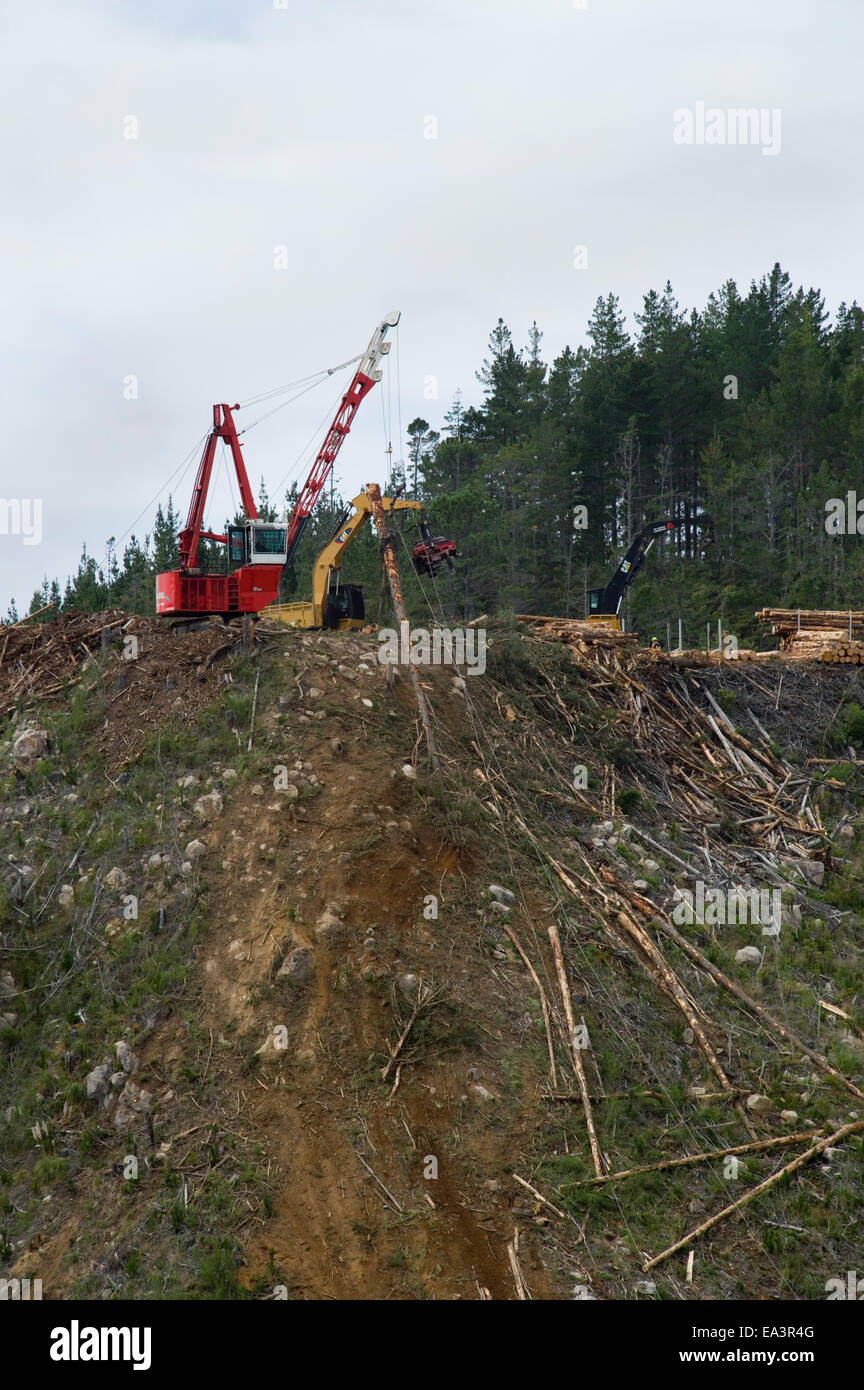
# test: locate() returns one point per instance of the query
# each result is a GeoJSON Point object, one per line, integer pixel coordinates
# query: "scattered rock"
{"type": "Point", "coordinates": [329, 927]}
{"type": "Point", "coordinates": [257, 790]}
{"type": "Point", "coordinates": [126, 1057]}
{"type": "Point", "coordinates": [759, 1105]}
{"type": "Point", "coordinates": [409, 771]}
{"type": "Point", "coordinates": [66, 896]}
{"type": "Point", "coordinates": [209, 806]}
{"type": "Point", "coordinates": [154, 863]}
{"type": "Point", "coordinates": [480, 1094]}
{"type": "Point", "coordinates": [748, 955]}
{"type": "Point", "coordinates": [97, 1084]}
{"type": "Point", "coordinates": [30, 745]}
{"type": "Point", "coordinates": [650, 866]}
{"type": "Point", "coordinates": [502, 895]}
{"type": "Point", "coordinates": [298, 967]}
{"type": "Point", "coordinates": [640, 884]}
{"type": "Point", "coordinates": [133, 1103]}
{"type": "Point", "coordinates": [813, 870]}
{"type": "Point", "coordinates": [789, 1117]}
{"type": "Point", "coordinates": [195, 849]}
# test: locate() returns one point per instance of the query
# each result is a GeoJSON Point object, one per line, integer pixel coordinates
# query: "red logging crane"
{"type": "Point", "coordinates": [259, 549]}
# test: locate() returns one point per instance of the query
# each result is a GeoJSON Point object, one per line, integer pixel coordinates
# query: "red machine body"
{"type": "Point", "coordinates": [188, 591]}
{"type": "Point", "coordinates": [433, 555]}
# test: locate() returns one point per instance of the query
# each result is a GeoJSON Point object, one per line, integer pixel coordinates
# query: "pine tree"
{"type": "Point", "coordinates": [421, 442]}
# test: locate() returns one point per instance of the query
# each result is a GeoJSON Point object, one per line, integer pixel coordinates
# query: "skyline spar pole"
{"type": "Point", "coordinates": [391, 569]}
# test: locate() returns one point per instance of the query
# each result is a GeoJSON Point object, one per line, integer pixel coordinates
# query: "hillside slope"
{"type": "Point", "coordinates": [316, 1063]}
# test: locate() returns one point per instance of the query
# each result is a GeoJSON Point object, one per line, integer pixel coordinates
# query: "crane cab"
{"type": "Point", "coordinates": [257, 543]}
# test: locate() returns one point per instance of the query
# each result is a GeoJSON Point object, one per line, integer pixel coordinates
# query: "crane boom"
{"type": "Point", "coordinates": [223, 428]}
{"type": "Point", "coordinates": [365, 377]}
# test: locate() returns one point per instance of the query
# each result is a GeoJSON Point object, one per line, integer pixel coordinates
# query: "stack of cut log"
{"type": "Point", "coordinates": [817, 634]}
{"type": "Point", "coordinates": [577, 632]}
{"type": "Point", "coordinates": [843, 653]}
{"type": "Point", "coordinates": [718, 658]}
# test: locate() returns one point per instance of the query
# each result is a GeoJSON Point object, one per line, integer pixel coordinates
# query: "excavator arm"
{"type": "Point", "coordinates": [604, 604]}
{"type": "Point", "coordinates": [335, 604]}
{"type": "Point", "coordinates": [326, 584]}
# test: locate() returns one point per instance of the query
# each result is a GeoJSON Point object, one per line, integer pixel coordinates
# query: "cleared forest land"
{"type": "Point", "coordinates": [280, 1006]}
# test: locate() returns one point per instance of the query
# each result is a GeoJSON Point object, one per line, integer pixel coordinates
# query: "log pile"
{"type": "Point", "coordinates": [843, 653]}
{"type": "Point", "coordinates": [697, 657]}
{"type": "Point", "coordinates": [827, 635]}
{"type": "Point", "coordinates": [577, 632]}
{"type": "Point", "coordinates": [598, 638]}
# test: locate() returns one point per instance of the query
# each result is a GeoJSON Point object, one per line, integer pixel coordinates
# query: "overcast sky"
{"type": "Point", "coordinates": [306, 126]}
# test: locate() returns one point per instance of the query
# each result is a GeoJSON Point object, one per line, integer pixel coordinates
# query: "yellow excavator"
{"type": "Point", "coordinates": [338, 605]}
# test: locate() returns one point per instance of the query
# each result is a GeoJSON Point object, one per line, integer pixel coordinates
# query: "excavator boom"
{"type": "Point", "coordinates": [335, 604]}
{"type": "Point", "coordinates": [604, 604]}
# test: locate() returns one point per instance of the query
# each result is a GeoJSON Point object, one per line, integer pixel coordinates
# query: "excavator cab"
{"type": "Point", "coordinates": [343, 604]}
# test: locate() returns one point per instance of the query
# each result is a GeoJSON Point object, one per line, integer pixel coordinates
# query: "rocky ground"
{"type": "Point", "coordinates": [281, 1015]}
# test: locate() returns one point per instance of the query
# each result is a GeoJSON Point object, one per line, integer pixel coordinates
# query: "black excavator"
{"type": "Point", "coordinates": [603, 604]}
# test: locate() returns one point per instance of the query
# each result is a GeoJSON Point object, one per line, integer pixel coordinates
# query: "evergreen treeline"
{"type": "Point", "coordinates": [738, 421]}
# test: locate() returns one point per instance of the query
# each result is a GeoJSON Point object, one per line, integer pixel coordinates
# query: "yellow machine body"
{"type": "Point", "coordinates": [327, 565]}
